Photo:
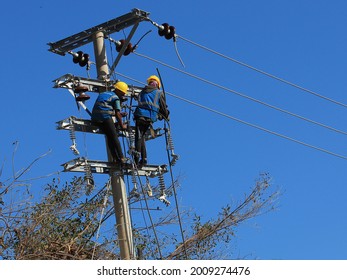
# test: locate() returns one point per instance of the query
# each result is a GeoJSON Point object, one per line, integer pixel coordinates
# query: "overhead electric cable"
{"type": "Point", "coordinates": [244, 95]}
{"type": "Point", "coordinates": [248, 123]}
{"type": "Point", "coordinates": [144, 195]}
{"type": "Point", "coordinates": [171, 173]}
{"type": "Point", "coordinates": [259, 127]}
{"type": "Point", "coordinates": [141, 184]}
{"type": "Point", "coordinates": [151, 221]}
{"type": "Point", "coordinates": [146, 226]}
{"type": "Point", "coordinates": [177, 52]}
{"type": "Point", "coordinates": [265, 73]}
{"type": "Point", "coordinates": [102, 215]}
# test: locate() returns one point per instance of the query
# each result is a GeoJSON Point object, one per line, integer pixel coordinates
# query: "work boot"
{"type": "Point", "coordinates": [136, 159]}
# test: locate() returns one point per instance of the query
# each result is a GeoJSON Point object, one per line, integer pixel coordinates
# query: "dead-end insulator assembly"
{"type": "Point", "coordinates": [83, 59]}
{"type": "Point", "coordinates": [119, 45]}
{"type": "Point", "coordinates": [167, 31]}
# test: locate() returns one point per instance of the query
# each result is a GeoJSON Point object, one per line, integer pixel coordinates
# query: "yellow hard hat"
{"type": "Point", "coordinates": [123, 87]}
{"type": "Point", "coordinates": [154, 78]}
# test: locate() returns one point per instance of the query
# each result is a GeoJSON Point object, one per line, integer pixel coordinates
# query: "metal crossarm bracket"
{"type": "Point", "coordinates": [69, 81]}
{"type": "Point", "coordinates": [87, 126]}
{"type": "Point", "coordinates": [104, 167]}
{"type": "Point", "coordinates": [78, 124]}
{"type": "Point", "coordinates": [82, 38]}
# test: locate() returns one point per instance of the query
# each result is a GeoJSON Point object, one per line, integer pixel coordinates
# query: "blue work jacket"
{"type": "Point", "coordinates": [105, 106]}
{"type": "Point", "coordinates": [148, 104]}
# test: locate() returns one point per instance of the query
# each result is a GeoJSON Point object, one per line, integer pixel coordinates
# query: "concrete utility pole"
{"type": "Point", "coordinates": [96, 35]}
{"type": "Point", "coordinates": [120, 200]}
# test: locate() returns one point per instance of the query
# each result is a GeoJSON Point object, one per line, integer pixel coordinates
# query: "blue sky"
{"type": "Point", "coordinates": [303, 42]}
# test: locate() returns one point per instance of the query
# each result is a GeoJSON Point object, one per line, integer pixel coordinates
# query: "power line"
{"type": "Point", "coordinates": [245, 96]}
{"type": "Point", "coordinates": [265, 73]}
{"type": "Point", "coordinates": [171, 173]}
{"type": "Point", "coordinates": [102, 215]}
{"type": "Point", "coordinates": [134, 167]}
{"type": "Point", "coordinates": [259, 127]}
{"type": "Point", "coordinates": [247, 123]}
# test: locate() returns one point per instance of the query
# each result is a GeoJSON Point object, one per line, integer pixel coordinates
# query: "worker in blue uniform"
{"type": "Point", "coordinates": [151, 107]}
{"type": "Point", "coordinates": [107, 105]}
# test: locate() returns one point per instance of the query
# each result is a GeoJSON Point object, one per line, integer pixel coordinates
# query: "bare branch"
{"type": "Point", "coordinates": [253, 205]}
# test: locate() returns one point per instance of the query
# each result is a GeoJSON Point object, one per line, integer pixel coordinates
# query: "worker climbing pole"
{"type": "Point", "coordinates": [80, 87]}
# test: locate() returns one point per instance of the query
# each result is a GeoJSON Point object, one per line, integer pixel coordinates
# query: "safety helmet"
{"type": "Point", "coordinates": [123, 87]}
{"type": "Point", "coordinates": [154, 78]}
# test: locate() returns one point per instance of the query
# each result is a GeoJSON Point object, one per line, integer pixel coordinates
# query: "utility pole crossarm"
{"type": "Point", "coordinates": [87, 126]}
{"type": "Point", "coordinates": [82, 38]}
{"type": "Point", "coordinates": [78, 86]}
{"type": "Point", "coordinates": [104, 167]}
{"type": "Point", "coordinates": [69, 81]}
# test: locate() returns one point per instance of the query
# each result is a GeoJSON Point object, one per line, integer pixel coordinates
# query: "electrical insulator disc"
{"type": "Point", "coordinates": [165, 30]}
{"type": "Point", "coordinates": [84, 60]}
{"type": "Point", "coordinates": [78, 58]}
{"type": "Point", "coordinates": [80, 89]}
{"type": "Point", "coordinates": [171, 33]}
{"type": "Point", "coordinates": [129, 49]}
{"type": "Point", "coordinates": [82, 97]}
{"type": "Point", "coordinates": [119, 47]}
